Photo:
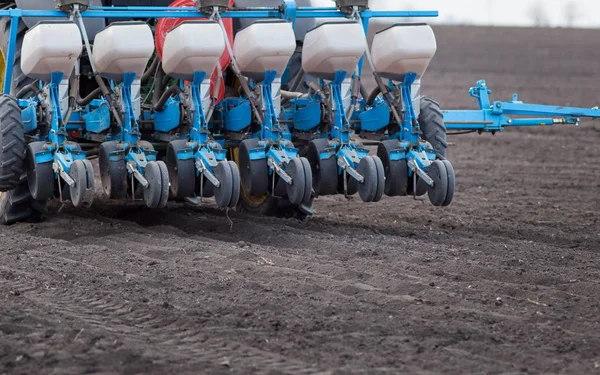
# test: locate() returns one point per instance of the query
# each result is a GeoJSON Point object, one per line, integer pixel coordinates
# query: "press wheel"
{"type": "Point", "coordinates": [208, 189]}
{"type": "Point", "coordinates": [439, 191]}
{"type": "Point", "coordinates": [153, 192]}
{"type": "Point", "coordinates": [254, 174]}
{"type": "Point", "coordinates": [324, 171]}
{"type": "Point", "coordinates": [380, 179]}
{"type": "Point", "coordinates": [367, 168]}
{"type": "Point", "coordinates": [351, 184]}
{"type": "Point", "coordinates": [82, 192]}
{"type": "Point", "coordinates": [40, 176]}
{"type": "Point", "coordinates": [182, 173]}
{"type": "Point", "coordinates": [164, 180]}
{"type": "Point", "coordinates": [113, 173]}
{"type": "Point", "coordinates": [451, 183]}
{"type": "Point", "coordinates": [396, 171]}
{"type": "Point", "coordinates": [224, 191]}
{"type": "Point", "coordinates": [235, 192]}
{"type": "Point", "coordinates": [308, 182]}
{"type": "Point", "coordinates": [296, 190]}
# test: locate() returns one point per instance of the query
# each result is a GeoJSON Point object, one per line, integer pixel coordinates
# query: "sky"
{"type": "Point", "coordinates": [585, 13]}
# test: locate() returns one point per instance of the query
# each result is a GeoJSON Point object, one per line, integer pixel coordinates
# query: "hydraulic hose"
{"type": "Point", "coordinates": [316, 88]}
{"type": "Point", "coordinates": [32, 87]}
{"type": "Point", "coordinates": [108, 95]}
{"type": "Point", "coordinates": [151, 70]}
{"type": "Point", "coordinates": [371, 98]}
{"type": "Point", "coordinates": [73, 92]}
{"type": "Point", "coordinates": [363, 91]}
{"type": "Point", "coordinates": [91, 96]}
{"type": "Point", "coordinates": [160, 105]}
{"type": "Point", "coordinates": [158, 78]}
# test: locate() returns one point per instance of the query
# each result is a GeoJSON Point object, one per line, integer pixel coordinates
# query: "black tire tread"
{"type": "Point", "coordinates": [17, 205]}
{"type": "Point", "coordinates": [12, 143]}
{"type": "Point", "coordinates": [431, 120]}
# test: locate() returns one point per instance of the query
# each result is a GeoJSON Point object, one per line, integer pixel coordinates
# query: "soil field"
{"type": "Point", "coordinates": [506, 280]}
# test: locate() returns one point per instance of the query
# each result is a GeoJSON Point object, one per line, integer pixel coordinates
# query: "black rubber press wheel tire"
{"type": "Point", "coordinates": [324, 171]}
{"type": "Point", "coordinates": [113, 173]}
{"type": "Point", "coordinates": [182, 173]}
{"type": "Point", "coordinates": [254, 173]}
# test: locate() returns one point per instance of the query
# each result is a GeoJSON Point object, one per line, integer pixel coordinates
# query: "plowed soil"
{"type": "Point", "coordinates": [506, 280]}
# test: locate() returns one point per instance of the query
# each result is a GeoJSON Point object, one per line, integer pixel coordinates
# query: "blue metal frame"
{"type": "Point", "coordinates": [341, 130]}
{"type": "Point", "coordinates": [209, 153]}
{"type": "Point", "coordinates": [275, 138]}
{"type": "Point", "coordinates": [57, 149]}
{"type": "Point", "coordinates": [289, 11]}
{"type": "Point", "coordinates": [410, 146]}
{"type": "Point", "coordinates": [494, 117]}
{"type": "Point", "coordinates": [130, 135]}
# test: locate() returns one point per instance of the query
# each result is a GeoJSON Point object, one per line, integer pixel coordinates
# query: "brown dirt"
{"type": "Point", "coordinates": [506, 280]}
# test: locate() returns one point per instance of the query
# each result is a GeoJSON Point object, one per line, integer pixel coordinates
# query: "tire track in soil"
{"type": "Point", "coordinates": [246, 258]}
{"type": "Point", "coordinates": [139, 328]}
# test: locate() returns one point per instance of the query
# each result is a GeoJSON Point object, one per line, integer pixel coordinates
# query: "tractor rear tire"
{"type": "Point", "coordinates": [17, 205]}
{"type": "Point", "coordinates": [431, 120]}
{"type": "Point", "coordinates": [12, 143]}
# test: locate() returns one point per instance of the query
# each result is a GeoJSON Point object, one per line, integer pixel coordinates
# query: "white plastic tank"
{"type": "Point", "coordinates": [50, 47]}
{"type": "Point", "coordinates": [193, 46]}
{"type": "Point", "coordinates": [123, 47]}
{"type": "Point", "coordinates": [264, 45]}
{"type": "Point", "coordinates": [414, 46]}
{"type": "Point", "coordinates": [332, 47]}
